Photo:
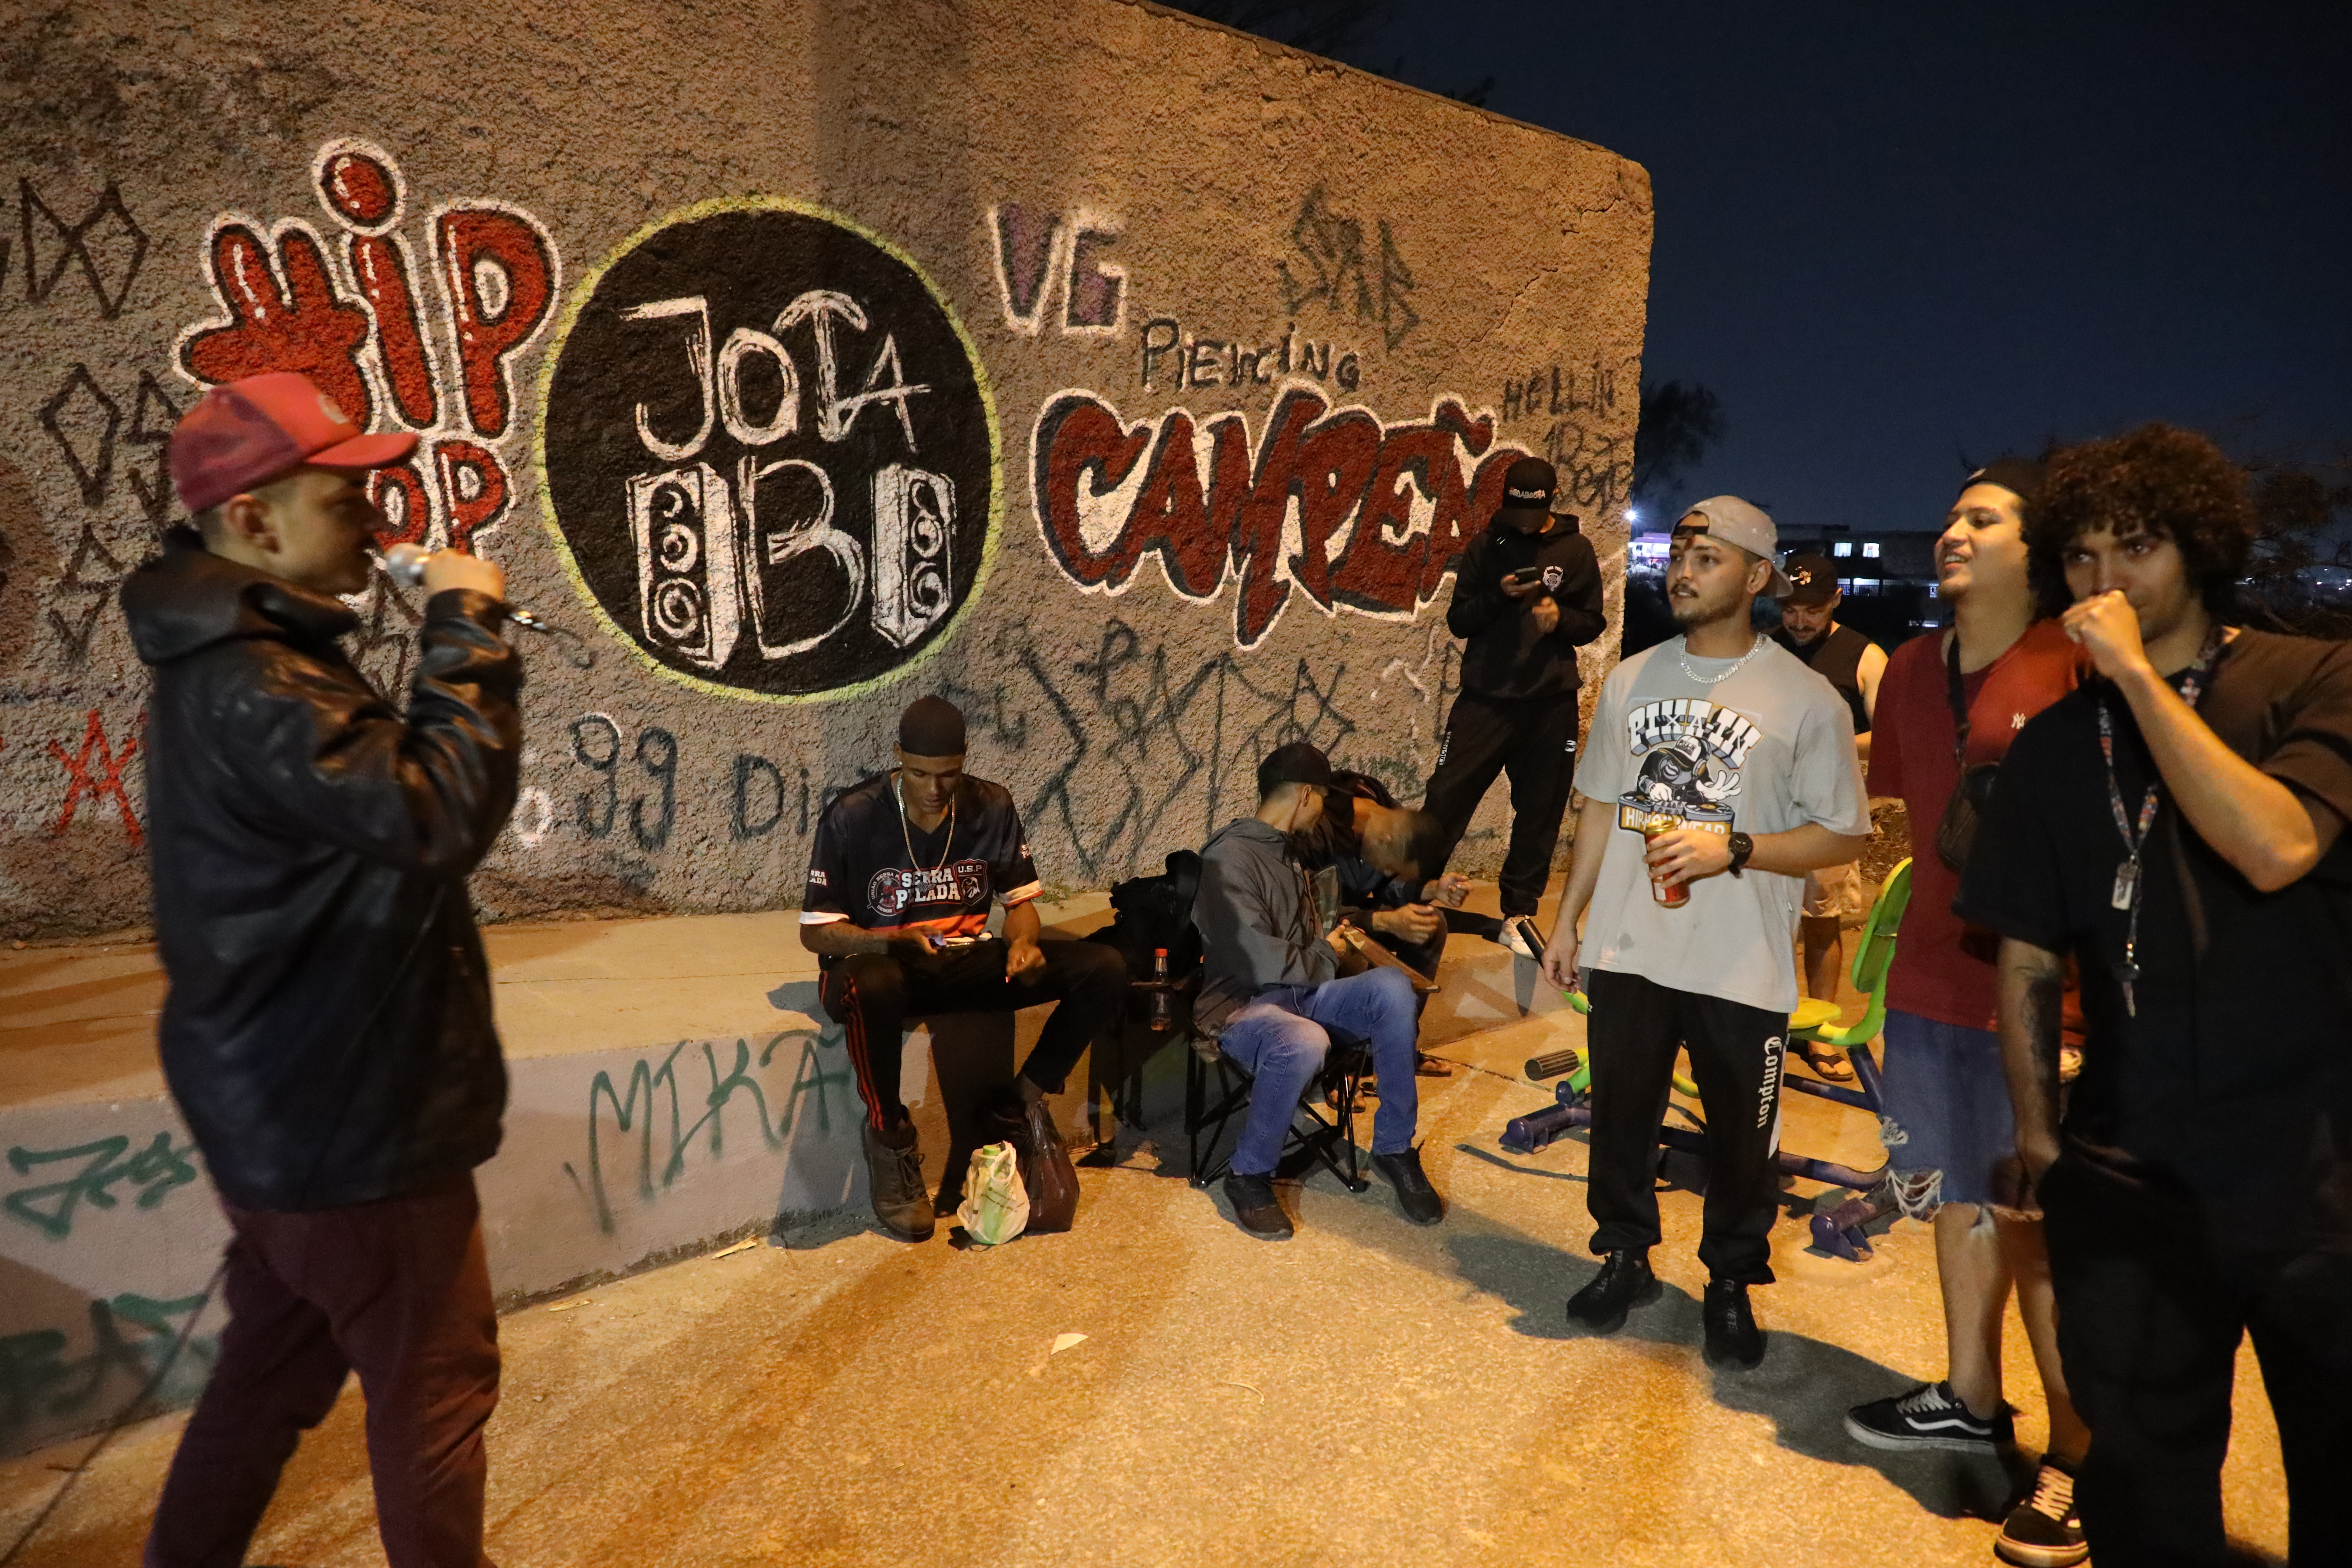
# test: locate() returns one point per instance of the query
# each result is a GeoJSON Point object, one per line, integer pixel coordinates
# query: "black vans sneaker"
{"type": "Point", "coordinates": [1930, 1417]}
{"type": "Point", "coordinates": [2045, 1531]}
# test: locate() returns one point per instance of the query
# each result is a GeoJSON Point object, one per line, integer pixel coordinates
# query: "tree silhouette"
{"type": "Point", "coordinates": [1680, 420]}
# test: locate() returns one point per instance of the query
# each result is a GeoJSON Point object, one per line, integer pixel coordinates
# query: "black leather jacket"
{"type": "Point", "coordinates": [328, 1031]}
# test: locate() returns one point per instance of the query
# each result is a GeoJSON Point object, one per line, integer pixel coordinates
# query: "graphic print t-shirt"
{"type": "Point", "coordinates": [1765, 750]}
{"type": "Point", "coordinates": [860, 870]}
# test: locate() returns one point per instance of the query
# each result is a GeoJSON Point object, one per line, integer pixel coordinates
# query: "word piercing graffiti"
{"type": "Point", "coordinates": [1217, 362]}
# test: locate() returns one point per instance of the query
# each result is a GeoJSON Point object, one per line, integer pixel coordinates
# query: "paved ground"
{"type": "Point", "coordinates": [1367, 1393]}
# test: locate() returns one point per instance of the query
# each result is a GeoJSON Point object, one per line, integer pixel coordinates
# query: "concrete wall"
{"type": "Point", "coordinates": [1128, 380]}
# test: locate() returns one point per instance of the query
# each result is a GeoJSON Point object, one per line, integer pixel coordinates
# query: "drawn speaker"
{"type": "Point", "coordinates": [683, 525]}
{"type": "Point", "coordinates": [914, 576]}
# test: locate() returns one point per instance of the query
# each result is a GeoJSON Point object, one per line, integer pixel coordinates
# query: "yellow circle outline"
{"type": "Point", "coordinates": [585, 290]}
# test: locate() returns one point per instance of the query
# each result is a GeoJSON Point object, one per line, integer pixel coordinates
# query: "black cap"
{"type": "Point", "coordinates": [932, 726]}
{"type": "Point", "coordinates": [1812, 580]}
{"type": "Point", "coordinates": [1296, 762]}
{"type": "Point", "coordinates": [1528, 486]}
{"type": "Point", "coordinates": [2021, 476]}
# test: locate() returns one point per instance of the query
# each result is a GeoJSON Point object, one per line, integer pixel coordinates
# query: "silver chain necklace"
{"type": "Point", "coordinates": [1684, 656]}
{"type": "Point", "coordinates": [898, 788]}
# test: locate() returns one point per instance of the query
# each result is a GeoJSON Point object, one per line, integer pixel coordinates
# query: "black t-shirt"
{"type": "Point", "coordinates": [860, 870]}
{"type": "Point", "coordinates": [2234, 1082]}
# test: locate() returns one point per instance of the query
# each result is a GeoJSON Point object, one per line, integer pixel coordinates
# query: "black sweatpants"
{"type": "Point", "coordinates": [873, 994]}
{"type": "Point", "coordinates": [2151, 1308]}
{"type": "Point", "coordinates": [1736, 1054]}
{"type": "Point", "coordinates": [1535, 742]}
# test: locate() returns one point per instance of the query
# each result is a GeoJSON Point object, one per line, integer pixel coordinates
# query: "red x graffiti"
{"type": "Point", "coordinates": [110, 764]}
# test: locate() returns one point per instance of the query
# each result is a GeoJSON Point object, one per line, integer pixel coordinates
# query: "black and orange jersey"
{"type": "Point", "coordinates": [860, 868]}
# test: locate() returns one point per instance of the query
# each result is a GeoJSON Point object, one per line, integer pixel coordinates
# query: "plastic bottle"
{"type": "Point", "coordinates": [1162, 1010]}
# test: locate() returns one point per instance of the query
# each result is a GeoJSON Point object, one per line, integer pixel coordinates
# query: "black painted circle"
{"type": "Point", "coordinates": [637, 523]}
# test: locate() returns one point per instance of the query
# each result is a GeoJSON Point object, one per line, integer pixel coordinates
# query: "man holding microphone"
{"type": "Point", "coordinates": [328, 1032]}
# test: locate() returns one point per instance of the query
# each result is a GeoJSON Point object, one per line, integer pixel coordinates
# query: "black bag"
{"type": "Point", "coordinates": [1956, 835]}
{"type": "Point", "coordinates": [1153, 912]}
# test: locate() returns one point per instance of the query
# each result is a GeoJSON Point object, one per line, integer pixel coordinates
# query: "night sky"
{"type": "Point", "coordinates": [1893, 238]}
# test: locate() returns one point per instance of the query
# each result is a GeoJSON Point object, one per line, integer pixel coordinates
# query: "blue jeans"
{"type": "Point", "coordinates": [1281, 1035]}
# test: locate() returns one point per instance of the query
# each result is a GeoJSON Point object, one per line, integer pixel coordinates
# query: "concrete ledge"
{"type": "Point", "coordinates": [674, 1085]}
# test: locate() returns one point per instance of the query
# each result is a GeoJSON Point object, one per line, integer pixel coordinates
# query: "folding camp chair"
{"type": "Point", "coordinates": [1322, 1125]}
{"type": "Point", "coordinates": [1839, 1230]}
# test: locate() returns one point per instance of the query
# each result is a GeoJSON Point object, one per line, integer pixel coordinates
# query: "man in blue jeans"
{"type": "Point", "coordinates": [1273, 993]}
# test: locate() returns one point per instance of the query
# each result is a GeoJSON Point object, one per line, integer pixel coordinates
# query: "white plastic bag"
{"type": "Point", "coordinates": [995, 1206]}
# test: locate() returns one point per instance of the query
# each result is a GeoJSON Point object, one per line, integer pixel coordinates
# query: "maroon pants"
{"type": "Point", "coordinates": [395, 1290]}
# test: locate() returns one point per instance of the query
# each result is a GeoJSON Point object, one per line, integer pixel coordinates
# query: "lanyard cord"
{"type": "Point", "coordinates": [898, 788]}
{"type": "Point", "coordinates": [2126, 893]}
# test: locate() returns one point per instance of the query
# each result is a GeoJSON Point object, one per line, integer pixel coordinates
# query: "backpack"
{"type": "Point", "coordinates": [1153, 912]}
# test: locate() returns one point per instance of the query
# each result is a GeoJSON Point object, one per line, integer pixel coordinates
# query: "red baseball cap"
{"type": "Point", "coordinates": [250, 432]}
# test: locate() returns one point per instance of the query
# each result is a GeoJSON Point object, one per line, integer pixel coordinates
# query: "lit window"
{"type": "Point", "coordinates": [1866, 584]}
{"type": "Point", "coordinates": [1871, 550]}
{"type": "Point", "coordinates": [1844, 547]}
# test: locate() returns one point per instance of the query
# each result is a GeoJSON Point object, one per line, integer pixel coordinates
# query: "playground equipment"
{"type": "Point", "coordinates": [1839, 1230]}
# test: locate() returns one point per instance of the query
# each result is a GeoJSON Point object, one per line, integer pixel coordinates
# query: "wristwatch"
{"type": "Point", "coordinates": [1742, 846]}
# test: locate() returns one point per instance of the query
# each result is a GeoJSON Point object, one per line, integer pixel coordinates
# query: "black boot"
{"type": "Point", "coordinates": [1623, 1283]}
{"type": "Point", "coordinates": [894, 1175]}
{"type": "Point", "coordinates": [1416, 1196]}
{"type": "Point", "coordinates": [1254, 1208]}
{"type": "Point", "coordinates": [1732, 1337]}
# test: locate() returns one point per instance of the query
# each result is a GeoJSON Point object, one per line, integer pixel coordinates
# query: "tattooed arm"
{"type": "Point", "coordinates": [2032, 993]}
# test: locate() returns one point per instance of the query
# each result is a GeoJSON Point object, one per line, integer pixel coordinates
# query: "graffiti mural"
{"type": "Point", "coordinates": [1352, 511]}
{"type": "Point", "coordinates": [768, 452]}
{"type": "Point", "coordinates": [359, 325]}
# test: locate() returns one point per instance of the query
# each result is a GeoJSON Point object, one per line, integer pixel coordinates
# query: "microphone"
{"type": "Point", "coordinates": [405, 564]}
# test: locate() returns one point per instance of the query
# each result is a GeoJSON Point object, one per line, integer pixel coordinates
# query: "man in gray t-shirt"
{"type": "Point", "coordinates": [1719, 771]}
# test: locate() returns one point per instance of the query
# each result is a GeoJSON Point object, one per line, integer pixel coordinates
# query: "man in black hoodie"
{"type": "Point", "coordinates": [1526, 597]}
{"type": "Point", "coordinates": [328, 1032]}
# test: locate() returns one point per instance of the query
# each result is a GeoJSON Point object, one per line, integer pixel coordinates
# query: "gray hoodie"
{"type": "Point", "coordinates": [1257, 915]}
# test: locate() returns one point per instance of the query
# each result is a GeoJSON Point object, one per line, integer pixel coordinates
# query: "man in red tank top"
{"type": "Point", "coordinates": [1948, 1126]}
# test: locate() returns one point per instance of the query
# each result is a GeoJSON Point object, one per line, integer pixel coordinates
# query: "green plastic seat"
{"type": "Point", "coordinates": [1869, 973]}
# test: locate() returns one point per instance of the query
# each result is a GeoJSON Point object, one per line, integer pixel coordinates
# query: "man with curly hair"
{"type": "Point", "coordinates": [2175, 826]}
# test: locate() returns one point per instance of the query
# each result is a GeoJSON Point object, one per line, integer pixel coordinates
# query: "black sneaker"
{"type": "Point", "coordinates": [1623, 1283]}
{"type": "Point", "coordinates": [1254, 1208]}
{"type": "Point", "coordinates": [1930, 1417]}
{"type": "Point", "coordinates": [2045, 1531]}
{"type": "Point", "coordinates": [1416, 1196]}
{"type": "Point", "coordinates": [1732, 1337]}
{"type": "Point", "coordinates": [894, 1178]}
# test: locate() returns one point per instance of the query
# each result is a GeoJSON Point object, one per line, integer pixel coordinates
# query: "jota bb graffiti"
{"type": "Point", "coordinates": [769, 452]}
{"type": "Point", "coordinates": [1358, 514]}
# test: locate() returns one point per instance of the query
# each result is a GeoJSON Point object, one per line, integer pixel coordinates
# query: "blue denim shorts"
{"type": "Point", "coordinates": [1947, 1126]}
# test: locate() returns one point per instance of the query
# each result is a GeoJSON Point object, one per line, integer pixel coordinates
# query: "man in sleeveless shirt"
{"type": "Point", "coordinates": [1853, 664]}
{"type": "Point", "coordinates": [1945, 1113]}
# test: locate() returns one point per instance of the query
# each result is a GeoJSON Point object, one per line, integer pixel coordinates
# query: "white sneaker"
{"type": "Point", "coordinates": [1519, 934]}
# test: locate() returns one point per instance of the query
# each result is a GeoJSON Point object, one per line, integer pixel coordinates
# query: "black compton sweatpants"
{"type": "Point", "coordinates": [2151, 1310]}
{"type": "Point", "coordinates": [1736, 1054]}
{"type": "Point", "coordinates": [873, 994]}
{"type": "Point", "coordinates": [1533, 740]}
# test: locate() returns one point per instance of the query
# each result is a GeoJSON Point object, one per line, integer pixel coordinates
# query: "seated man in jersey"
{"type": "Point", "coordinates": [901, 875]}
{"type": "Point", "coordinates": [1276, 986]}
